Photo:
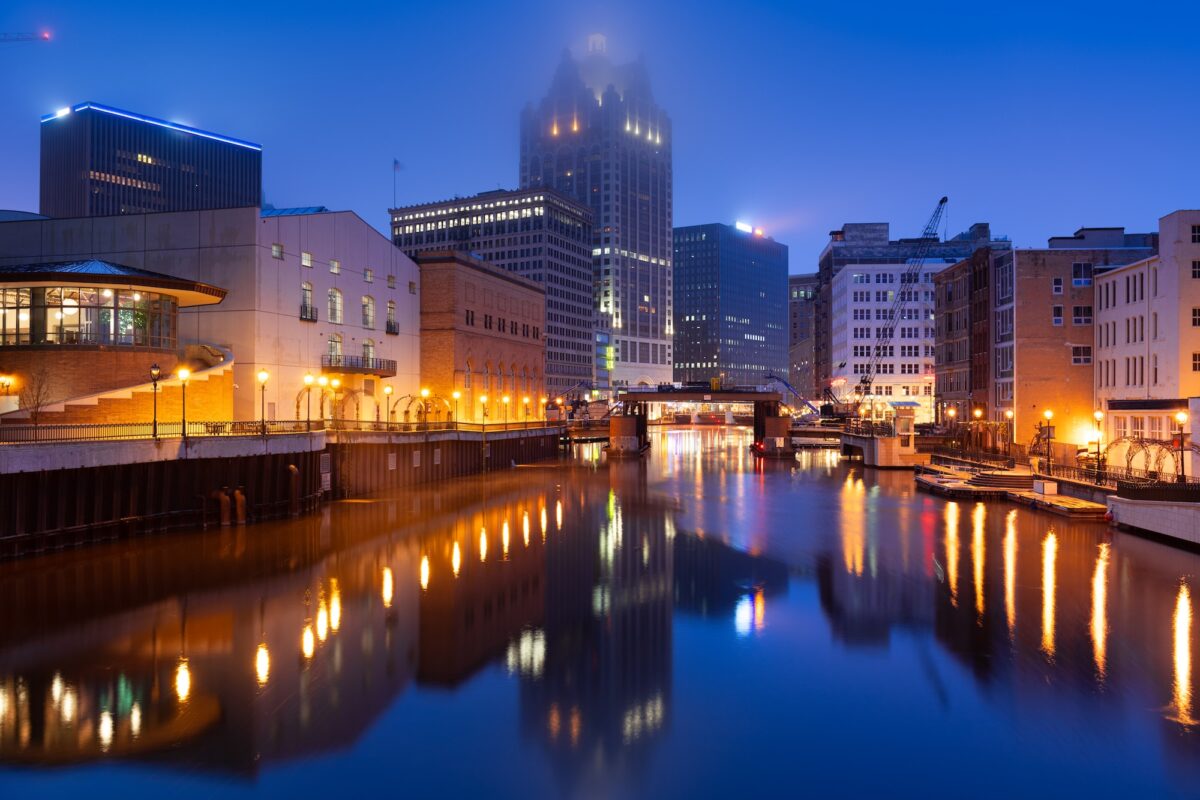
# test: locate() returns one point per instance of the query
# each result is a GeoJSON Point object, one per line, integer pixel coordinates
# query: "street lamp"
{"type": "Point", "coordinates": [308, 382]}
{"type": "Point", "coordinates": [6, 384]}
{"type": "Point", "coordinates": [263, 377]}
{"type": "Point", "coordinates": [1181, 417]}
{"type": "Point", "coordinates": [155, 374]}
{"type": "Point", "coordinates": [1049, 415]}
{"type": "Point", "coordinates": [183, 373]}
{"type": "Point", "coordinates": [977, 413]}
{"type": "Point", "coordinates": [505, 400]}
{"type": "Point", "coordinates": [425, 407]}
{"type": "Point", "coordinates": [525, 402]}
{"type": "Point", "coordinates": [1098, 415]}
{"type": "Point", "coordinates": [544, 399]}
{"type": "Point", "coordinates": [387, 401]}
{"type": "Point", "coordinates": [1008, 415]}
{"type": "Point", "coordinates": [456, 395]}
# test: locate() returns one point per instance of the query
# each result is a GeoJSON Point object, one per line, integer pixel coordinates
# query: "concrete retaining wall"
{"type": "Point", "coordinates": [1180, 521]}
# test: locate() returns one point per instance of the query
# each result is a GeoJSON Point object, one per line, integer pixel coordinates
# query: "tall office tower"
{"type": "Point", "coordinates": [537, 233]}
{"type": "Point", "coordinates": [599, 137]}
{"type": "Point", "coordinates": [100, 161]}
{"type": "Point", "coordinates": [802, 291]}
{"type": "Point", "coordinates": [731, 287]}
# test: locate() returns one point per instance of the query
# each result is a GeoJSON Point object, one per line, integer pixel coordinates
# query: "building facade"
{"type": "Point", "coordinates": [308, 293]}
{"type": "Point", "coordinates": [541, 235]}
{"type": "Point", "coordinates": [869, 243]}
{"type": "Point", "coordinates": [952, 342]}
{"type": "Point", "coordinates": [801, 322]}
{"type": "Point", "coordinates": [1147, 340]}
{"type": "Point", "coordinates": [731, 305]}
{"type": "Point", "coordinates": [1043, 331]}
{"type": "Point", "coordinates": [481, 338]}
{"type": "Point", "coordinates": [861, 300]}
{"type": "Point", "coordinates": [598, 136]}
{"type": "Point", "coordinates": [100, 161]}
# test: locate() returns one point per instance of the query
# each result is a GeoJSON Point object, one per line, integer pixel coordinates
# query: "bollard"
{"type": "Point", "coordinates": [222, 498]}
{"type": "Point", "coordinates": [239, 505]}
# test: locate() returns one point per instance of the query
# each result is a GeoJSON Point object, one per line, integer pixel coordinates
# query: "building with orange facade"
{"type": "Point", "coordinates": [482, 352]}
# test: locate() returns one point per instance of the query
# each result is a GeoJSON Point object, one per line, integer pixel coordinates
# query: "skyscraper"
{"type": "Point", "coordinates": [101, 161]}
{"type": "Point", "coordinates": [731, 286]}
{"type": "Point", "coordinates": [802, 317]}
{"type": "Point", "coordinates": [536, 233]}
{"type": "Point", "coordinates": [599, 137]}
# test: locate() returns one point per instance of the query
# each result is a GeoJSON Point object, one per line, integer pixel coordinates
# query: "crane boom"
{"type": "Point", "coordinates": [909, 281]}
{"type": "Point", "coordinates": [13, 38]}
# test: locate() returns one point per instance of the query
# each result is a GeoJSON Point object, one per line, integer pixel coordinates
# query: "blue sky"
{"type": "Point", "coordinates": [1036, 117]}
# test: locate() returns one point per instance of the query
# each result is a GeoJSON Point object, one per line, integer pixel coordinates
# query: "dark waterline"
{"type": "Point", "coordinates": [697, 624]}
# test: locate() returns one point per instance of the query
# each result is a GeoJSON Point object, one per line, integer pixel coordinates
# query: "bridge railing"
{"type": "Point", "coordinates": [866, 427]}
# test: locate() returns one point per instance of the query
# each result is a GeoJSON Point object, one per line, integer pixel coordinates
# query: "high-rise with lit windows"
{"type": "Point", "coordinates": [100, 161]}
{"type": "Point", "coordinates": [731, 297]}
{"type": "Point", "coordinates": [538, 234]}
{"type": "Point", "coordinates": [599, 137]}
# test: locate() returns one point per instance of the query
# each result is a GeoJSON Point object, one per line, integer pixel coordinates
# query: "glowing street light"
{"type": "Point", "coordinates": [1181, 417]}
{"type": "Point", "coordinates": [183, 373]}
{"type": "Point", "coordinates": [456, 395]}
{"type": "Point", "coordinates": [263, 377]}
{"type": "Point", "coordinates": [155, 374]}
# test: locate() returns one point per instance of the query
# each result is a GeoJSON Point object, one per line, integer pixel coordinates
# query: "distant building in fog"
{"type": "Point", "coordinates": [100, 161]}
{"type": "Point", "coordinates": [801, 318]}
{"type": "Point", "coordinates": [731, 299]}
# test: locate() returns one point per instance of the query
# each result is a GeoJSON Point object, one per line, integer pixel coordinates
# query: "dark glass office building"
{"type": "Point", "coordinates": [99, 161]}
{"type": "Point", "coordinates": [731, 304]}
{"type": "Point", "coordinates": [538, 234]}
{"type": "Point", "coordinates": [599, 137]}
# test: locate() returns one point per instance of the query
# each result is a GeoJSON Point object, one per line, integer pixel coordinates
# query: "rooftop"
{"type": "Point", "coordinates": [294, 212]}
{"type": "Point", "coordinates": [106, 273]}
{"type": "Point", "coordinates": [88, 105]}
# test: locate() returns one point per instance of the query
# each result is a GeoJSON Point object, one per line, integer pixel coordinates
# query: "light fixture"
{"type": "Point", "coordinates": [308, 379]}
{"type": "Point", "coordinates": [1048, 414]}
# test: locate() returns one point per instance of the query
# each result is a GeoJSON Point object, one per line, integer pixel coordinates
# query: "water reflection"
{"type": "Point", "coordinates": [236, 651]}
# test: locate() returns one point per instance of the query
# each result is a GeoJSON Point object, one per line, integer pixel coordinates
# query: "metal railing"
{"type": "Point", "coordinates": [1111, 476]}
{"type": "Point", "coordinates": [433, 426]}
{"type": "Point", "coordinates": [1165, 492]}
{"type": "Point", "coordinates": [866, 427]}
{"type": "Point", "coordinates": [392, 327]}
{"type": "Point", "coordinates": [124, 431]}
{"type": "Point", "coordinates": [308, 313]}
{"type": "Point", "coordinates": [366, 364]}
{"type": "Point", "coordinates": [975, 457]}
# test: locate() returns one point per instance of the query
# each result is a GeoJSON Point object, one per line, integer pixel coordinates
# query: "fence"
{"type": "Point", "coordinates": [120, 431]}
{"type": "Point", "coordinates": [1113, 476]}
{"type": "Point", "coordinates": [975, 457]}
{"type": "Point", "coordinates": [866, 427]}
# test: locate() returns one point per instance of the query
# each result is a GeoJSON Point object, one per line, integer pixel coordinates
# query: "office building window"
{"type": "Point", "coordinates": [335, 266]}
{"type": "Point", "coordinates": [391, 281]}
{"type": "Point", "coordinates": [306, 259]}
{"type": "Point", "coordinates": [1195, 362]}
{"type": "Point", "coordinates": [1081, 274]}
{"type": "Point", "coordinates": [1081, 315]}
{"type": "Point", "coordinates": [1196, 234]}
{"type": "Point", "coordinates": [1196, 317]}
{"type": "Point", "coordinates": [1081, 354]}
{"type": "Point", "coordinates": [368, 275]}
{"type": "Point", "coordinates": [1057, 286]}
{"type": "Point", "coordinates": [368, 311]}
{"type": "Point", "coordinates": [1056, 315]}
{"type": "Point", "coordinates": [335, 306]}
{"type": "Point", "coordinates": [276, 251]}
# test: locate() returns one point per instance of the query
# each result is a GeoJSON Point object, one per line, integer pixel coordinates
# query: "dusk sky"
{"type": "Point", "coordinates": [1037, 117]}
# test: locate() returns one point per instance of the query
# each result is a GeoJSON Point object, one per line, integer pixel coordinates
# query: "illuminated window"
{"type": "Point", "coordinates": [368, 311]}
{"type": "Point", "coordinates": [335, 306]}
{"type": "Point", "coordinates": [335, 266]}
{"type": "Point", "coordinates": [276, 251]}
{"type": "Point", "coordinates": [369, 275]}
{"type": "Point", "coordinates": [306, 259]}
{"type": "Point", "coordinates": [335, 345]}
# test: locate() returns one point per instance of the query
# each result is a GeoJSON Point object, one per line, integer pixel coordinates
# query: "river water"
{"type": "Point", "coordinates": [696, 624]}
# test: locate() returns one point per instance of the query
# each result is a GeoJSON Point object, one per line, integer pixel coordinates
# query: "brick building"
{"type": "Point", "coordinates": [481, 336]}
{"type": "Point", "coordinates": [952, 342]}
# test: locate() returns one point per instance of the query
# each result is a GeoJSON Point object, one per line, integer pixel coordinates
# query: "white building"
{"type": "Point", "coordinates": [861, 309]}
{"type": "Point", "coordinates": [309, 292]}
{"type": "Point", "coordinates": [1147, 346]}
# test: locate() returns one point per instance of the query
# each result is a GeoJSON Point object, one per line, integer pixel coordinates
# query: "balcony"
{"type": "Point", "coordinates": [359, 365]}
{"type": "Point", "coordinates": [393, 327]}
{"type": "Point", "coordinates": [308, 313]}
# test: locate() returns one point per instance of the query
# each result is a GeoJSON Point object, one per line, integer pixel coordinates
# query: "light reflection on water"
{"type": "Point", "coordinates": [699, 599]}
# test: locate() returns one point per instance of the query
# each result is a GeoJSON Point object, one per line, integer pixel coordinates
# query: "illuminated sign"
{"type": "Point", "coordinates": [744, 227]}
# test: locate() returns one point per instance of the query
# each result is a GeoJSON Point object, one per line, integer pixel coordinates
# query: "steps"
{"type": "Point", "coordinates": [1003, 480]}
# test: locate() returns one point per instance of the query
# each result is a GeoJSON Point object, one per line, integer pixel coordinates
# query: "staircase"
{"type": "Point", "coordinates": [1020, 481]}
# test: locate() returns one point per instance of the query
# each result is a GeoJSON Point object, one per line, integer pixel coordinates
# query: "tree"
{"type": "Point", "coordinates": [35, 393]}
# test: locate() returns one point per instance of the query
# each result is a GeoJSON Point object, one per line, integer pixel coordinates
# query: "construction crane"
{"type": "Point", "coordinates": [13, 38]}
{"type": "Point", "coordinates": [909, 288]}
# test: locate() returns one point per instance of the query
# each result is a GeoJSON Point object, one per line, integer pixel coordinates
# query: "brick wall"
{"type": "Point", "coordinates": [79, 371]}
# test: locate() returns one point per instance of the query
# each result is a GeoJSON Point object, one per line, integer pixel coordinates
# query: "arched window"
{"type": "Point", "coordinates": [512, 377]}
{"type": "Point", "coordinates": [306, 294]}
{"type": "Point", "coordinates": [487, 378]}
{"type": "Point", "coordinates": [368, 349]}
{"type": "Point", "coordinates": [335, 346]}
{"type": "Point", "coordinates": [524, 380]}
{"type": "Point", "coordinates": [335, 306]}
{"type": "Point", "coordinates": [467, 376]}
{"type": "Point", "coordinates": [368, 311]}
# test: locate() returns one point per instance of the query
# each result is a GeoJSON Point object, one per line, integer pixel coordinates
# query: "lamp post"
{"type": "Point", "coordinates": [544, 400]}
{"type": "Point", "coordinates": [387, 401]}
{"type": "Point", "coordinates": [952, 413]}
{"type": "Point", "coordinates": [323, 382]}
{"type": "Point", "coordinates": [456, 395]}
{"type": "Point", "coordinates": [155, 374]}
{"type": "Point", "coordinates": [6, 384]}
{"type": "Point", "coordinates": [483, 401]}
{"type": "Point", "coordinates": [1049, 415]}
{"type": "Point", "coordinates": [263, 377]}
{"type": "Point", "coordinates": [425, 407]}
{"type": "Point", "coordinates": [1098, 415]}
{"type": "Point", "coordinates": [977, 413]}
{"type": "Point", "coordinates": [1181, 417]}
{"type": "Point", "coordinates": [1008, 415]}
{"type": "Point", "coordinates": [308, 382]}
{"type": "Point", "coordinates": [525, 402]}
{"type": "Point", "coordinates": [183, 373]}
{"type": "Point", "coordinates": [505, 400]}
